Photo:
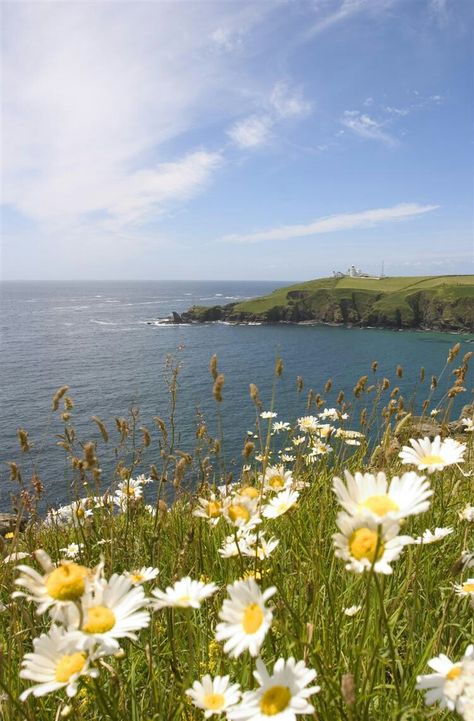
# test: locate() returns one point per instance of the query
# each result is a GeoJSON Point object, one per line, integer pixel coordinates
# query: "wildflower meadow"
{"type": "Point", "coordinates": [328, 575]}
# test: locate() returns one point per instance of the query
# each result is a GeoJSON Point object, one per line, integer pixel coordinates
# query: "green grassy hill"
{"type": "Point", "coordinates": [443, 302]}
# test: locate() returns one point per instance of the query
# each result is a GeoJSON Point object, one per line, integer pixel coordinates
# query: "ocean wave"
{"type": "Point", "coordinates": [101, 322]}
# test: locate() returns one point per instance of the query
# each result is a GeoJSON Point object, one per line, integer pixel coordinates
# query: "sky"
{"type": "Point", "coordinates": [255, 140]}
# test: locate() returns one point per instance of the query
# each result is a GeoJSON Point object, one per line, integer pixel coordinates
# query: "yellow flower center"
{"type": "Point", "coordinates": [468, 587]}
{"type": "Point", "coordinates": [252, 618]}
{"type": "Point", "coordinates": [453, 673]}
{"type": "Point", "coordinates": [275, 700]}
{"type": "Point", "coordinates": [214, 701]}
{"type": "Point", "coordinates": [213, 509]}
{"type": "Point", "coordinates": [381, 505]}
{"type": "Point", "coordinates": [68, 665]}
{"type": "Point", "coordinates": [136, 577]}
{"type": "Point", "coordinates": [237, 512]}
{"type": "Point", "coordinates": [80, 512]}
{"type": "Point", "coordinates": [250, 492]}
{"type": "Point", "coordinates": [67, 582]}
{"type": "Point", "coordinates": [100, 619]}
{"type": "Point", "coordinates": [363, 544]}
{"type": "Point", "coordinates": [9, 535]}
{"type": "Point", "coordinates": [276, 482]}
{"type": "Point", "coordinates": [184, 600]}
{"type": "Point", "coordinates": [431, 460]}
{"type": "Point", "coordinates": [130, 491]}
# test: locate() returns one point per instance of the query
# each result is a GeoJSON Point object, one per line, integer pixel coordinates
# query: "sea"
{"type": "Point", "coordinates": [104, 340]}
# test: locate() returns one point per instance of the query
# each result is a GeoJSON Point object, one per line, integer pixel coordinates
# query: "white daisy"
{"type": "Point", "coordinates": [332, 414]}
{"type": "Point", "coordinates": [364, 494]}
{"type": "Point", "coordinates": [287, 458]}
{"type": "Point", "coordinates": [268, 414]}
{"type": "Point", "coordinates": [281, 696]}
{"type": "Point", "coordinates": [364, 542]}
{"type": "Point", "coordinates": [276, 478]}
{"type": "Point", "coordinates": [325, 430]}
{"type": "Point", "coordinates": [214, 695]}
{"type": "Point", "coordinates": [465, 589]}
{"type": "Point", "coordinates": [308, 424]}
{"type": "Point", "coordinates": [210, 509]}
{"type": "Point", "coordinates": [280, 504]}
{"type": "Point", "coordinates": [55, 663]}
{"type": "Point", "coordinates": [241, 511]}
{"type": "Point", "coordinates": [185, 593]}
{"type": "Point", "coordinates": [142, 575]}
{"type": "Point", "coordinates": [352, 610]}
{"type": "Point", "coordinates": [467, 514]}
{"type": "Point", "coordinates": [72, 550]}
{"type": "Point", "coordinates": [432, 455]}
{"type": "Point", "coordinates": [430, 537]}
{"type": "Point", "coordinates": [245, 618]}
{"type": "Point", "coordinates": [279, 426]}
{"type": "Point", "coordinates": [238, 545]}
{"type": "Point", "coordinates": [128, 491]}
{"type": "Point", "coordinates": [446, 685]}
{"type": "Point", "coordinates": [58, 586]}
{"type": "Point", "coordinates": [112, 610]}
{"type": "Point", "coordinates": [348, 433]}
{"type": "Point", "coordinates": [468, 424]}
{"type": "Point", "coordinates": [74, 512]}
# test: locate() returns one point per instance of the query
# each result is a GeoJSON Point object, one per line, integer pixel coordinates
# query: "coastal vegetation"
{"type": "Point", "coordinates": [425, 302]}
{"type": "Point", "coordinates": [324, 573]}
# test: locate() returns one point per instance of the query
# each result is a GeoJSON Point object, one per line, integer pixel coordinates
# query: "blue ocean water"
{"type": "Point", "coordinates": [95, 337]}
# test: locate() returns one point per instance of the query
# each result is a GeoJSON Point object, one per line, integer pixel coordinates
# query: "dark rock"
{"type": "Point", "coordinates": [9, 523]}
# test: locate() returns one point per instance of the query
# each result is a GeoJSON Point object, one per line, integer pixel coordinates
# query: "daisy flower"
{"type": "Point", "coordinates": [241, 511]}
{"type": "Point", "coordinates": [430, 537]}
{"type": "Point", "coordinates": [72, 550]}
{"type": "Point", "coordinates": [467, 514]}
{"type": "Point", "coordinates": [245, 618]}
{"type": "Point", "coordinates": [268, 414]}
{"type": "Point", "coordinates": [468, 424]}
{"type": "Point", "coordinates": [210, 509]}
{"type": "Point", "coordinates": [263, 548]}
{"type": "Point", "coordinates": [447, 684]}
{"type": "Point", "coordinates": [352, 610]}
{"type": "Point", "coordinates": [239, 545]}
{"type": "Point", "coordinates": [365, 493]}
{"type": "Point", "coordinates": [76, 511]}
{"type": "Point", "coordinates": [276, 478]}
{"type": "Point", "coordinates": [308, 424]}
{"type": "Point", "coordinates": [332, 414]}
{"type": "Point", "coordinates": [127, 492]}
{"type": "Point", "coordinates": [185, 593]}
{"type": "Point", "coordinates": [361, 544]}
{"type": "Point", "coordinates": [58, 586]}
{"type": "Point", "coordinates": [325, 430]}
{"type": "Point", "coordinates": [279, 426]}
{"type": "Point", "coordinates": [280, 504]}
{"type": "Point", "coordinates": [114, 609]}
{"type": "Point", "coordinates": [142, 575]}
{"type": "Point", "coordinates": [214, 695]}
{"type": "Point", "coordinates": [250, 492]}
{"type": "Point", "coordinates": [281, 696]}
{"type": "Point", "coordinates": [432, 455]}
{"type": "Point", "coordinates": [466, 589]}
{"type": "Point", "coordinates": [55, 663]}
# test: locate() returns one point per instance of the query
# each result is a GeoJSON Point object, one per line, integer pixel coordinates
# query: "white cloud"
{"type": "Point", "coordinates": [252, 131]}
{"type": "Point", "coordinates": [289, 103]}
{"type": "Point", "coordinates": [94, 94]}
{"type": "Point", "coordinates": [333, 223]}
{"type": "Point", "coordinates": [345, 10]}
{"type": "Point", "coordinates": [366, 127]}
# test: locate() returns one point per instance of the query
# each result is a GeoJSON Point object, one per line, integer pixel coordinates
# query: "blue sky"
{"type": "Point", "coordinates": [233, 140]}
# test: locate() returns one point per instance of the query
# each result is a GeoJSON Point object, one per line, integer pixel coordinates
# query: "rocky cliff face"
{"type": "Point", "coordinates": [427, 309]}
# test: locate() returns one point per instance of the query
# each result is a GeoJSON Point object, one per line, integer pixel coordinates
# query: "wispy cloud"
{"type": "Point", "coordinates": [289, 102]}
{"type": "Point", "coordinates": [333, 223]}
{"type": "Point", "coordinates": [344, 10]}
{"type": "Point", "coordinates": [366, 127]}
{"type": "Point", "coordinates": [251, 132]}
{"type": "Point", "coordinates": [95, 95]}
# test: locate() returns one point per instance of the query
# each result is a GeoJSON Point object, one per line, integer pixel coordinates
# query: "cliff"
{"type": "Point", "coordinates": [444, 303]}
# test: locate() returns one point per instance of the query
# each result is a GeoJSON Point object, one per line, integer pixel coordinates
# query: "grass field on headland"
{"type": "Point", "coordinates": [444, 302]}
{"type": "Point", "coordinates": [362, 581]}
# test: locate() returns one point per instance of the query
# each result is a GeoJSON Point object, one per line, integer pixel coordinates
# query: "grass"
{"type": "Point", "coordinates": [367, 664]}
{"type": "Point", "coordinates": [396, 290]}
